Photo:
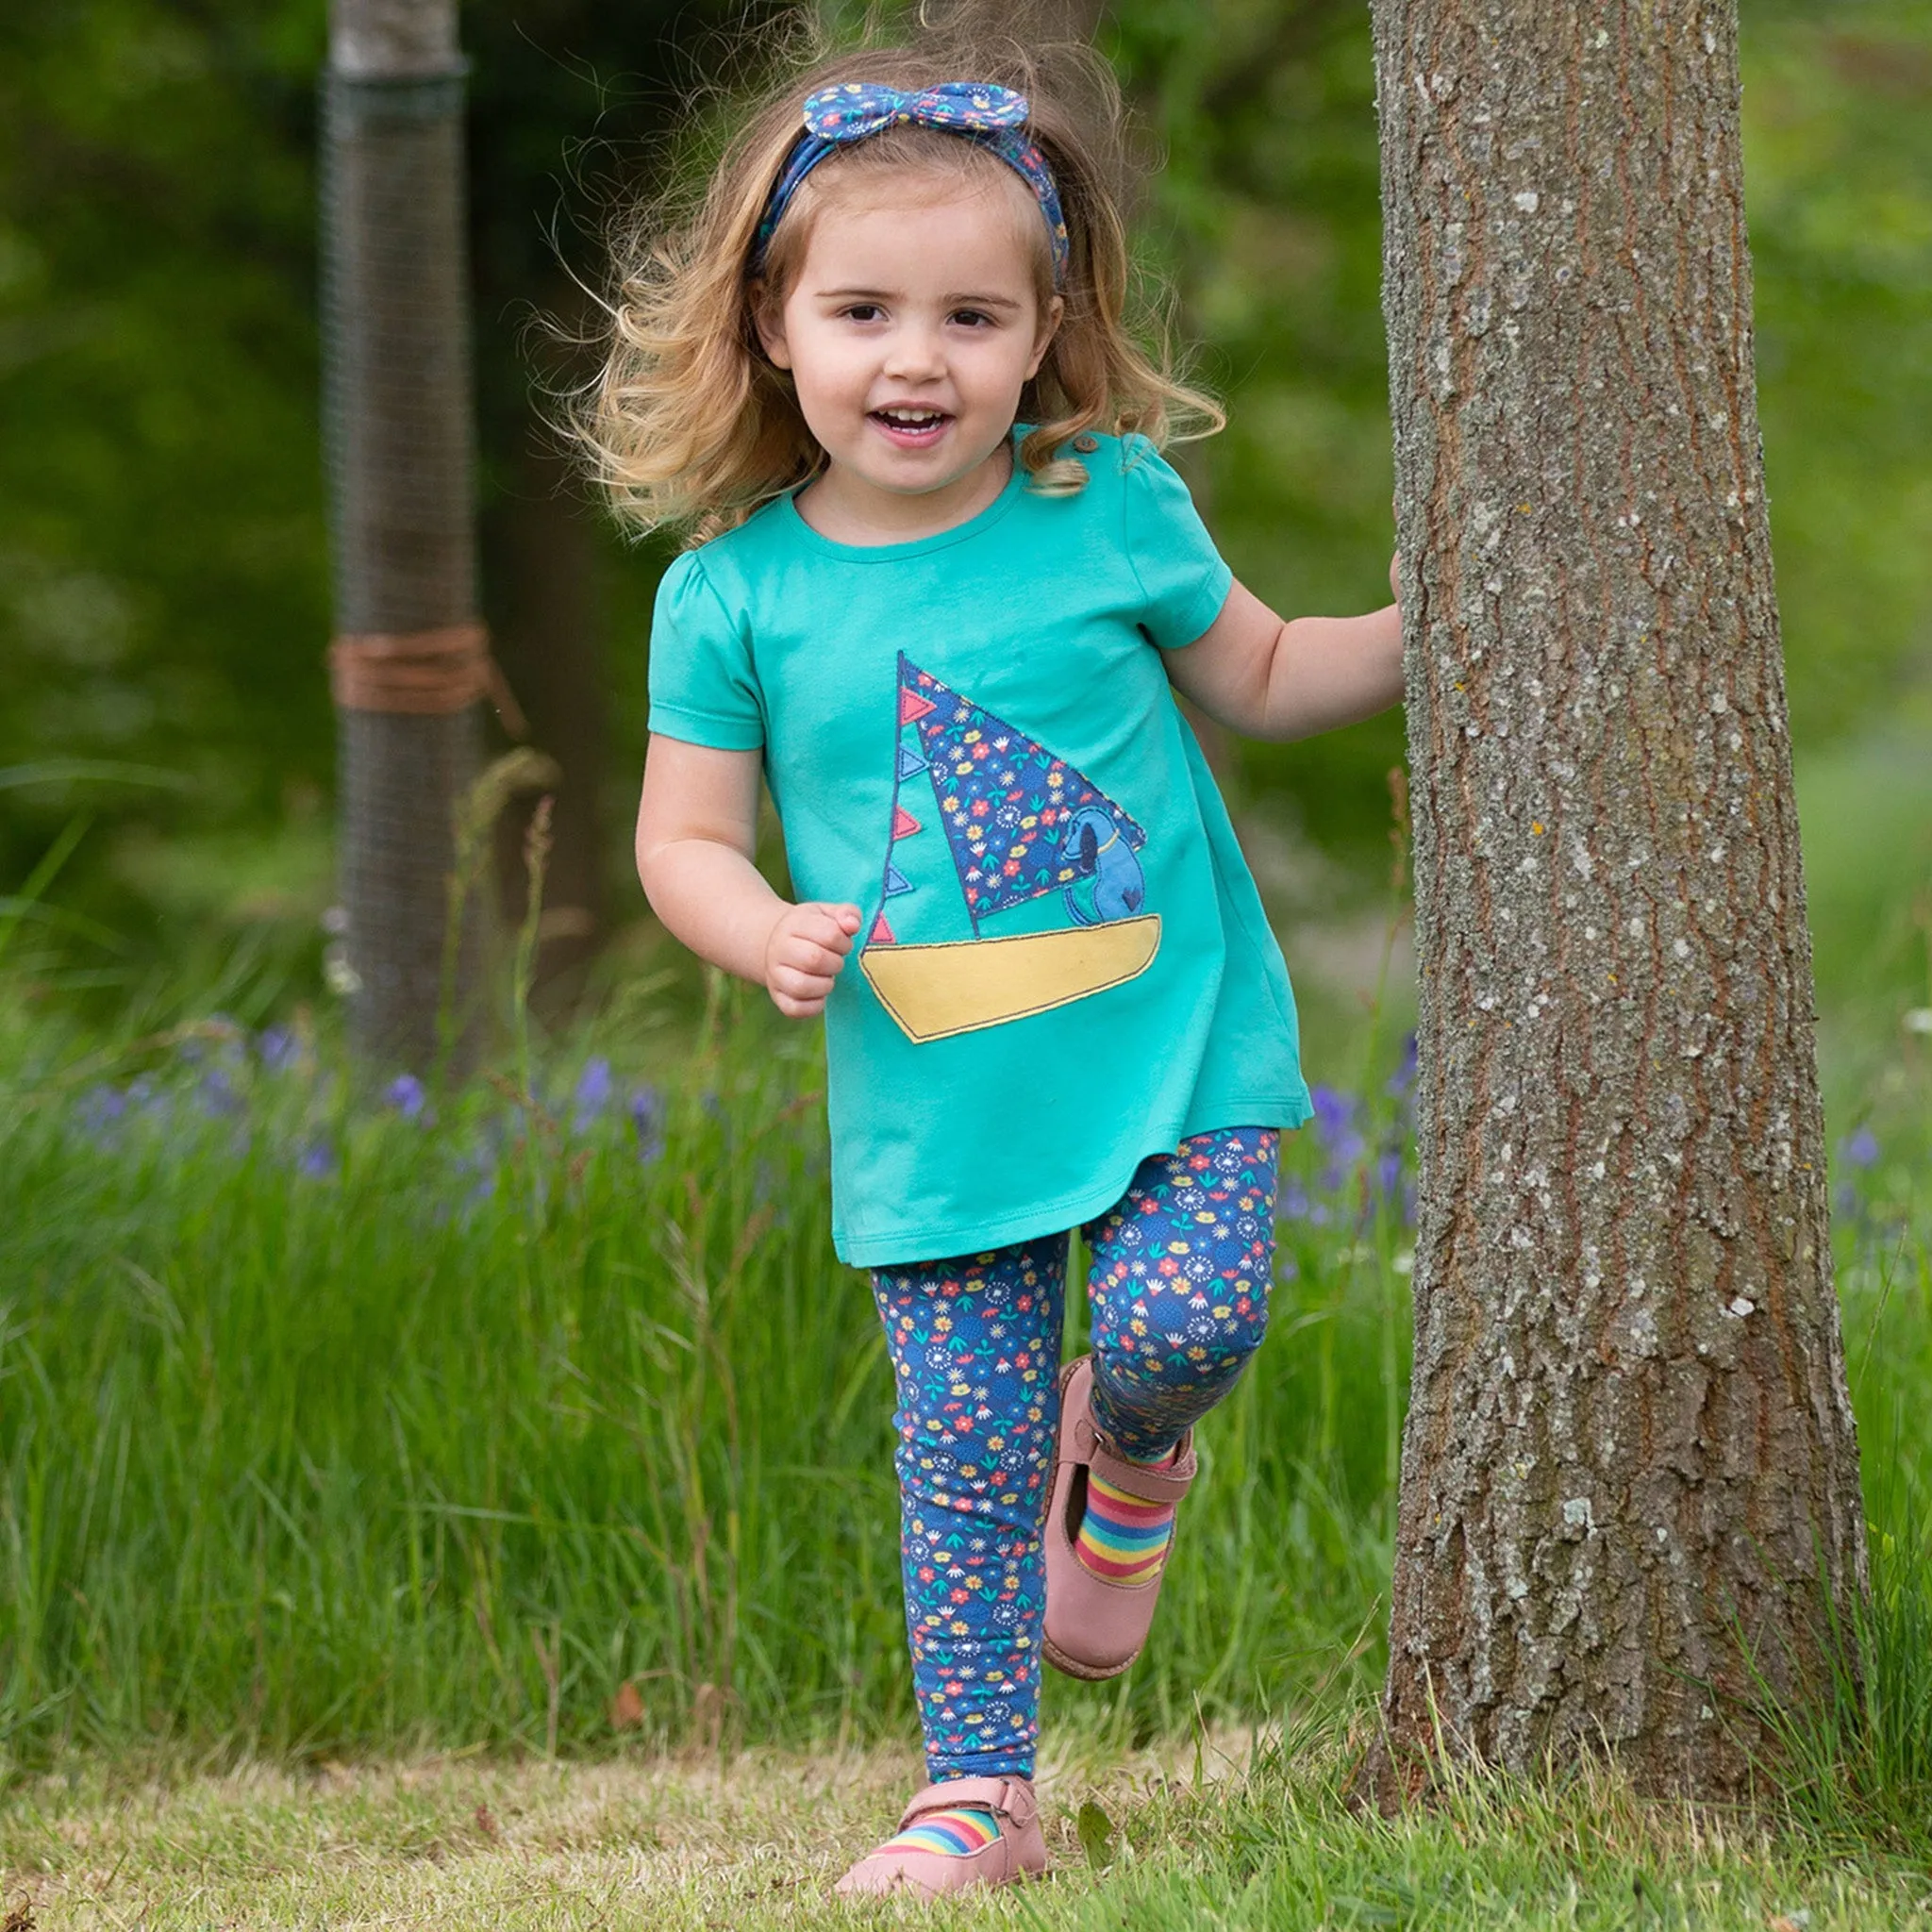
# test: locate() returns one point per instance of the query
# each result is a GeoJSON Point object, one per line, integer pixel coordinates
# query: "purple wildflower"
{"type": "Point", "coordinates": [1860, 1150]}
{"type": "Point", "coordinates": [278, 1048]}
{"type": "Point", "coordinates": [1336, 1130]}
{"type": "Point", "coordinates": [149, 1099]}
{"type": "Point", "coordinates": [1400, 1082]}
{"type": "Point", "coordinates": [406, 1094]}
{"type": "Point", "coordinates": [593, 1093]}
{"type": "Point", "coordinates": [218, 1095]}
{"type": "Point", "coordinates": [101, 1111]}
{"type": "Point", "coordinates": [1389, 1172]}
{"type": "Point", "coordinates": [316, 1161]}
{"type": "Point", "coordinates": [646, 1110]}
{"type": "Point", "coordinates": [222, 1046]}
{"type": "Point", "coordinates": [1334, 1113]}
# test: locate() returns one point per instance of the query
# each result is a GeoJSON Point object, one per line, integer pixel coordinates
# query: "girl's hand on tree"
{"type": "Point", "coordinates": [1395, 576]}
{"type": "Point", "coordinates": [804, 953]}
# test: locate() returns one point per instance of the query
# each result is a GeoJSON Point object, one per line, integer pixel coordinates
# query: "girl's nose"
{"type": "Point", "coordinates": [913, 354]}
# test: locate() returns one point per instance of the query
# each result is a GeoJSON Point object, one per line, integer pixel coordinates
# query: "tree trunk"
{"type": "Point", "coordinates": [1629, 1510]}
{"type": "Point", "coordinates": [408, 657]}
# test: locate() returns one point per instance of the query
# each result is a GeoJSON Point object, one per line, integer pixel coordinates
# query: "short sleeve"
{"type": "Point", "coordinates": [1181, 575]}
{"type": "Point", "coordinates": [703, 689]}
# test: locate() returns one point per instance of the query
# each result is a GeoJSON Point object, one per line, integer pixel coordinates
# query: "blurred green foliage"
{"type": "Point", "coordinates": [163, 574]}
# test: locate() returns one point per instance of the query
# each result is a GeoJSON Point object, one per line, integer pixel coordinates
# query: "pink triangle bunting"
{"type": "Point", "coordinates": [903, 824]}
{"type": "Point", "coordinates": [912, 706]}
{"type": "Point", "coordinates": [881, 933]}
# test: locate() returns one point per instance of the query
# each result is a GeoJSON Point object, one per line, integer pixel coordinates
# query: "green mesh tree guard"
{"type": "Point", "coordinates": [409, 660]}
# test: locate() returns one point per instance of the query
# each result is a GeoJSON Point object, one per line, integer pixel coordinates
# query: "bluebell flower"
{"type": "Point", "coordinates": [646, 1110]}
{"type": "Point", "coordinates": [593, 1093]}
{"type": "Point", "coordinates": [1403, 1078]}
{"type": "Point", "coordinates": [222, 1043]}
{"type": "Point", "coordinates": [1336, 1130]}
{"type": "Point", "coordinates": [101, 1111]}
{"type": "Point", "coordinates": [1334, 1112]}
{"type": "Point", "coordinates": [1291, 1202]}
{"type": "Point", "coordinates": [317, 1157]}
{"type": "Point", "coordinates": [217, 1094]}
{"type": "Point", "coordinates": [1860, 1150]}
{"type": "Point", "coordinates": [278, 1048]}
{"type": "Point", "coordinates": [406, 1094]}
{"type": "Point", "coordinates": [1389, 1172]}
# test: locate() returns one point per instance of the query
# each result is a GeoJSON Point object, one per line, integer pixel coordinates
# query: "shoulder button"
{"type": "Point", "coordinates": [1086, 444]}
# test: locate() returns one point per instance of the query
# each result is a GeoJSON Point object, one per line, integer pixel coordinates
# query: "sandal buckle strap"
{"type": "Point", "coordinates": [1161, 1482]}
{"type": "Point", "coordinates": [1010, 1798]}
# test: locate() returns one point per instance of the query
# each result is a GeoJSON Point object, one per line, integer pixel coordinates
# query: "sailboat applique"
{"type": "Point", "coordinates": [1017, 824]}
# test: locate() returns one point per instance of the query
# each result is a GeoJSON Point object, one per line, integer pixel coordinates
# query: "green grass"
{"type": "Point", "coordinates": [325, 1430]}
{"type": "Point", "coordinates": [1252, 1836]}
{"type": "Point", "coordinates": [352, 1462]}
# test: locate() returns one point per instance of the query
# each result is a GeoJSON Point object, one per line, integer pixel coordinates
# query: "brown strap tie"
{"type": "Point", "coordinates": [424, 674]}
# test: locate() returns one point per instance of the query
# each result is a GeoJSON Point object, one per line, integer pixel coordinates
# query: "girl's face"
{"type": "Point", "coordinates": [910, 330]}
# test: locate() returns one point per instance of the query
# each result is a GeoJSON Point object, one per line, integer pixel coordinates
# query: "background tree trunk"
{"type": "Point", "coordinates": [396, 336]}
{"type": "Point", "coordinates": [1629, 1504]}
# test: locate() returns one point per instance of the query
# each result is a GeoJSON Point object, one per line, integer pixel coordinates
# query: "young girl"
{"type": "Point", "coordinates": [946, 593]}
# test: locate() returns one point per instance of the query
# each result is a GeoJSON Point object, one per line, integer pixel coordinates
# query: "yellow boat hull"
{"type": "Point", "coordinates": [935, 991]}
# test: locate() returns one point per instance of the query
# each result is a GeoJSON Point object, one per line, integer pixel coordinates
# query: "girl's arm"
{"type": "Point", "coordinates": [697, 830]}
{"type": "Point", "coordinates": [1265, 677]}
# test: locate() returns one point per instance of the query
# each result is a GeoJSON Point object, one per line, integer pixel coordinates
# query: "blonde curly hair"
{"type": "Point", "coordinates": [690, 426]}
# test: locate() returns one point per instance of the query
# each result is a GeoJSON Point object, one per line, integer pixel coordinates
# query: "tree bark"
{"type": "Point", "coordinates": [1629, 1515]}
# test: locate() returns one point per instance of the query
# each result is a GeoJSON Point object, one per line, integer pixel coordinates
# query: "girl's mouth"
{"type": "Point", "coordinates": [910, 426]}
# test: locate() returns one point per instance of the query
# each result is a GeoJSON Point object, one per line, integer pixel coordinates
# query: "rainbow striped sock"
{"type": "Point", "coordinates": [1122, 1538]}
{"type": "Point", "coordinates": [955, 1833]}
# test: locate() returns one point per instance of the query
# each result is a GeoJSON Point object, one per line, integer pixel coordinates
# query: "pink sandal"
{"type": "Point", "coordinates": [1016, 1850]}
{"type": "Point", "coordinates": [1095, 1628]}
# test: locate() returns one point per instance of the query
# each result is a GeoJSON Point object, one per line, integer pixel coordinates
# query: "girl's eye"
{"type": "Point", "coordinates": [973, 318]}
{"type": "Point", "coordinates": [863, 311]}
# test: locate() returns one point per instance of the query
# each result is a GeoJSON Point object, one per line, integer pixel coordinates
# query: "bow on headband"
{"type": "Point", "coordinates": [835, 117]}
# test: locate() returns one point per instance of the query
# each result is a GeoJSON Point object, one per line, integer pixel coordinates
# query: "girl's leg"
{"type": "Point", "coordinates": [1178, 1292]}
{"type": "Point", "coordinates": [974, 1344]}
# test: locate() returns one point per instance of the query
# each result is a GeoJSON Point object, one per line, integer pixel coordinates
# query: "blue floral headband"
{"type": "Point", "coordinates": [835, 117]}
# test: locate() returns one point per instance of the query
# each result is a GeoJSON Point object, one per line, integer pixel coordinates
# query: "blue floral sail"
{"type": "Point", "coordinates": [1018, 823]}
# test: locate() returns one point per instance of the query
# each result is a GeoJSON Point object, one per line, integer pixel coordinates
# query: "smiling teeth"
{"type": "Point", "coordinates": [914, 419]}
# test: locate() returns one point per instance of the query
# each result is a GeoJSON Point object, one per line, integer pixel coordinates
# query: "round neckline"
{"type": "Point", "coordinates": [914, 547]}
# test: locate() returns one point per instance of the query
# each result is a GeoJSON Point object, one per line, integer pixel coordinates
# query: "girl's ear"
{"type": "Point", "coordinates": [768, 318]}
{"type": "Point", "coordinates": [1042, 338]}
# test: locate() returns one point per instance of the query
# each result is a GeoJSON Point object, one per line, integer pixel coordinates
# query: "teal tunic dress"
{"type": "Point", "coordinates": [1062, 965]}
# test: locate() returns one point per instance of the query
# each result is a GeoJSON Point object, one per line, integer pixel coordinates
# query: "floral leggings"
{"type": "Point", "coordinates": [1178, 1292]}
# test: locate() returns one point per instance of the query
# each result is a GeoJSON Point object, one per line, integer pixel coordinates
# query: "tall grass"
{"type": "Point", "coordinates": [504, 1416]}
{"type": "Point", "coordinates": [327, 1427]}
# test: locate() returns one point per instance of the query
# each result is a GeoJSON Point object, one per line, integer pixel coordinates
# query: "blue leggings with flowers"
{"type": "Point", "coordinates": [1177, 1294]}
